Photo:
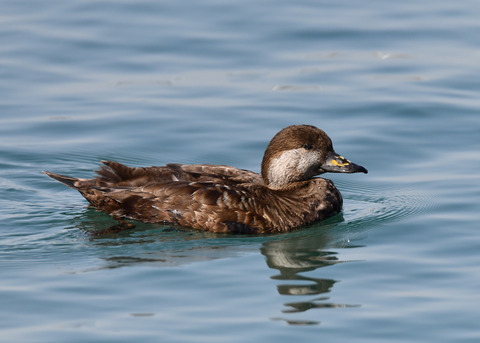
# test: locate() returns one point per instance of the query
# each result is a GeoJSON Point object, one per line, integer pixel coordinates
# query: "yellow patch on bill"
{"type": "Point", "coordinates": [341, 163]}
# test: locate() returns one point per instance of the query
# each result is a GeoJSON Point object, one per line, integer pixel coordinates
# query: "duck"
{"type": "Point", "coordinates": [286, 195]}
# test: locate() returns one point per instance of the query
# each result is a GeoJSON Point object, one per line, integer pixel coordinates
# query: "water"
{"type": "Point", "coordinates": [395, 84]}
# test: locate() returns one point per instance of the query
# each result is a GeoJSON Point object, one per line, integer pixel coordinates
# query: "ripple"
{"type": "Point", "coordinates": [365, 205]}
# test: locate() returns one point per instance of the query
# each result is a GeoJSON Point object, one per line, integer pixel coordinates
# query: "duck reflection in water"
{"type": "Point", "coordinates": [292, 256]}
{"type": "Point", "coordinates": [296, 255]}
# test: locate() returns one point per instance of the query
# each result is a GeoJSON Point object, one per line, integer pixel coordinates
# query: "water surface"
{"type": "Point", "coordinates": [147, 83]}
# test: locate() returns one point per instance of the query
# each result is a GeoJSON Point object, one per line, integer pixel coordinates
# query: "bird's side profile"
{"type": "Point", "coordinates": [220, 198]}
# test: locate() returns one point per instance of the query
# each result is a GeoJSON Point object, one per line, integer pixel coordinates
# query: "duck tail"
{"type": "Point", "coordinates": [66, 180]}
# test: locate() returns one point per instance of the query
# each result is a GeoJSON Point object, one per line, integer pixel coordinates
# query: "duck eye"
{"type": "Point", "coordinates": [307, 146]}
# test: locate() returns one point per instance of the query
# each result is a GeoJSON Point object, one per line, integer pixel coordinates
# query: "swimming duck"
{"type": "Point", "coordinates": [225, 199]}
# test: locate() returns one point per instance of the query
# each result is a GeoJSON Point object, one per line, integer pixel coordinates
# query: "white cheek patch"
{"type": "Point", "coordinates": [292, 165]}
{"type": "Point", "coordinates": [283, 166]}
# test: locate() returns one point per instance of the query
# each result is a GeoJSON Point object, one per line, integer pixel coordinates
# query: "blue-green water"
{"type": "Point", "coordinates": [395, 84]}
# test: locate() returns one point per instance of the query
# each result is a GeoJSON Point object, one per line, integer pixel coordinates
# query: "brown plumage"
{"type": "Point", "coordinates": [223, 198]}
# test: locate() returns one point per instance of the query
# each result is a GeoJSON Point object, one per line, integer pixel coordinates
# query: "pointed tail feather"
{"type": "Point", "coordinates": [66, 180]}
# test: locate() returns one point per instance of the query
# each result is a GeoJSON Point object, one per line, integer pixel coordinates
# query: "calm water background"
{"type": "Point", "coordinates": [395, 84]}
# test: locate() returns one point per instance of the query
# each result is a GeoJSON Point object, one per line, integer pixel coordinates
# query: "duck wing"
{"type": "Point", "coordinates": [219, 207]}
{"type": "Point", "coordinates": [201, 205]}
{"type": "Point", "coordinates": [114, 173]}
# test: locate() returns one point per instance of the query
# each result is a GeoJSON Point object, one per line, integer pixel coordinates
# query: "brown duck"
{"type": "Point", "coordinates": [221, 198]}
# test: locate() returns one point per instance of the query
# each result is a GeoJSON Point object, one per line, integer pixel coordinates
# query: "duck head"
{"type": "Point", "coordinates": [300, 152]}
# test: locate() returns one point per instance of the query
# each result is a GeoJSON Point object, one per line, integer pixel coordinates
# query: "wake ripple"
{"type": "Point", "coordinates": [369, 205]}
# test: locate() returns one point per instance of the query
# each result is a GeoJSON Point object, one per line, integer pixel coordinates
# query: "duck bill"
{"type": "Point", "coordinates": [339, 164]}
